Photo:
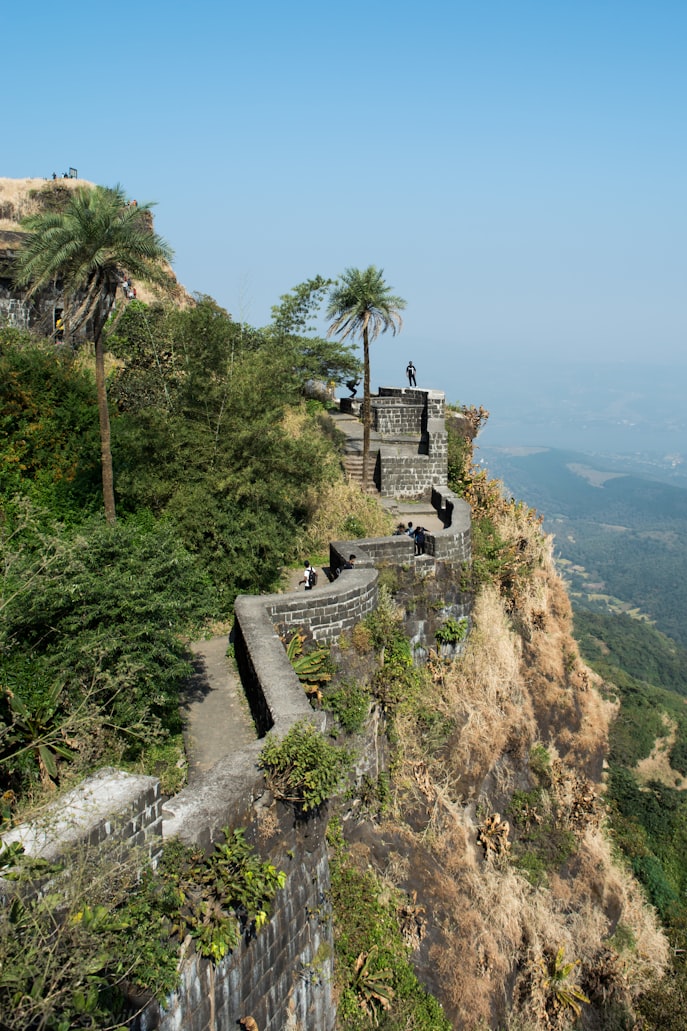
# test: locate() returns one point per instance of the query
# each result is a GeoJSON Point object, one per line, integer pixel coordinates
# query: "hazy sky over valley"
{"type": "Point", "coordinates": [517, 167]}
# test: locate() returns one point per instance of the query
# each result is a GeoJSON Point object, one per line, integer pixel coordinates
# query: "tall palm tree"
{"type": "Point", "coordinates": [362, 304]}
{"type": "Point", "coordinates": [88, 245]}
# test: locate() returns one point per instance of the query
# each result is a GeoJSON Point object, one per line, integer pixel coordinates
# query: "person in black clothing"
{"type": "Point", "coordinates": [410, 373]}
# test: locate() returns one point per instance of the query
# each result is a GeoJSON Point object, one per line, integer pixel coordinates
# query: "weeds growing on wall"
{"type": "Point", "coordinates": [102, 939]}
{"type": "Point", "coordinates": [303, 768]}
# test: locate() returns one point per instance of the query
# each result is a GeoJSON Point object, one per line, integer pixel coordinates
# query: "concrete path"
{"type": "Point", "coordinates": [214, 708]}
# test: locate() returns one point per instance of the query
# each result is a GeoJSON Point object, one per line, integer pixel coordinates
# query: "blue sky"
{"type": "Point", "coordinates": [517, 168]}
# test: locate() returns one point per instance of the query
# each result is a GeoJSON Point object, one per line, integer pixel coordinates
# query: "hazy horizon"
{"type": "Point", "coordinates": [516, 169]}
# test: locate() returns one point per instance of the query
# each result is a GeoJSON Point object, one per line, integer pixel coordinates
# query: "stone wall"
{"type": "Point", "coordinates": [283, 977]}
{"type": "Point", "coordinates": [109, 806]}
{"type": "Point", "coordinates": [413, 442]}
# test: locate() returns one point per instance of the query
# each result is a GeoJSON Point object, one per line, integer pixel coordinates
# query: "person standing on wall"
{"type": "Point", "coordinates": [410, 373]}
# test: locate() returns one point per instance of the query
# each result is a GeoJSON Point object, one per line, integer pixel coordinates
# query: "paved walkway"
{"type": "Point", "coordinates": [214, 708]}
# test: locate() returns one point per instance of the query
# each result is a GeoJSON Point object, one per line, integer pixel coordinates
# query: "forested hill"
{"type": "Point", "coordinates": [621, 539]}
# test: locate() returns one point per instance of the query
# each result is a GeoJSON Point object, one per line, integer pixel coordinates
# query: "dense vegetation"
{"type": "Point", "coordinates": [622, 539]}
{"type": "Point", "coordinates": [645, 671]}
{"type": "Point", "coordinates": [218, 466]}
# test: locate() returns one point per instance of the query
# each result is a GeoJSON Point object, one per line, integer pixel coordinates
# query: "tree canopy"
{"type": "Point", "coordinates": [362, 305]}
{"type": "Point", "coordinates": [87, 246]}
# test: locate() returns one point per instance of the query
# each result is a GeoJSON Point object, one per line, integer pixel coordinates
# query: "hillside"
{"type": "Point", "coordinates": [20, 198]}
{"type": "Point", "coordinates": [621, 539]}
{"type": "Point", "coordinates": [470, 837]}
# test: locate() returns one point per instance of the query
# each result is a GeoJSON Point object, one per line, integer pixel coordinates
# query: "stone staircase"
{"type": "Point", "coordinates": [353, 467]}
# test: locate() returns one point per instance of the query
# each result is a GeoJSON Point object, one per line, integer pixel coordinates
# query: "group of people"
{"type": "Point", "coordinates": [310, 573]}
{"type": "Point", "coordinates": [129, 290]}
{"type": "Point", "coordinates": [417, 533]}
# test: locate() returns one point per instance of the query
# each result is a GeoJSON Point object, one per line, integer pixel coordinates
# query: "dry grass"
{"type": "Point", "coordinates": [657, 765]}
{"type": "Point", "coordinates": [494, 933]}
{"type": "Point", "coordinates": [336, 503]}
{"type": "Point", "coordinates": [484, 692]}
{"type": "Point", "coordinates": [17, 198]}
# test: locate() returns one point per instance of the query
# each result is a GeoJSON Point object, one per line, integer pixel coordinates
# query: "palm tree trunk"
{"type": "Point", "coordinates": [104, 416]}
{"type": "Point", "coordinates": [366, 409]}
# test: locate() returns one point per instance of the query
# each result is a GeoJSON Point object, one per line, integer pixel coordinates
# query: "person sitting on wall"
{"type": "Point", "coordinates": [346, 565]}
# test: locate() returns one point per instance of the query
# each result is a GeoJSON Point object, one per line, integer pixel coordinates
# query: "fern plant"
{"type": "Point", "coordinates": [564, 994]}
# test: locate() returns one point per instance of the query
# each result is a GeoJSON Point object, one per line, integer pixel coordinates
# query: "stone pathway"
{"type": "Point", "coordinates": [214, 708]}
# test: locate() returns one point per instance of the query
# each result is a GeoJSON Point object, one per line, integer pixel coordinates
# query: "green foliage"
{"type": "Point", "coordinates": [492, 556]}
{"type": "Point", "coordinates": [452, 631]}
{"type": "Point", "coordinates": [350, 703]}
{"type": "Point", "coordinates": [633, 646]}
{"type": "Point", "coordinates": [353, 527]}
{"type": "Point", "coordinates": [540, 764]}
{"type": "Point", "coordinates": [303, 768]}
{"type": "Point", "coordinates": [563, 993]}
{"type": "Point", "coordinates": [374, 975]}
{"type": "Point", "coordinates": [91, 658]}
{"type": "Point", "coordinates": [49, 447]}
{"type": "Point", "coordinates": [649, 822]}
{"type": "Point", "coordinates": [542, 839]}
{"type": "Point", "coordinates": [74, 956]}
{"type": "Point", "coordinates": [203, 440]}
{"type": "Point", "coordinates": [221, 896]}
{"type": "Point", "coordinates": [313, 668]}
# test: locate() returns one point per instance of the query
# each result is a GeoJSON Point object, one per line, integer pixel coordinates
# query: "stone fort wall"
{"type": "Point", "coordinates": [283, 977]}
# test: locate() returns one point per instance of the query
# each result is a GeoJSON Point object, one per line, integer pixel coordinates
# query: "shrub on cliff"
{"type": "Point", "coordinates": [303, 768]}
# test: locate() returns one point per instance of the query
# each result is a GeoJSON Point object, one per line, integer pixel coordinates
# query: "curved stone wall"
{"type": "Point", "coordinates": [284, 975]}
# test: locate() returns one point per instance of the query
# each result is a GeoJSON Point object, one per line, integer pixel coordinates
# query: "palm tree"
{"type": "Point", "coordinates": [361, 304]}
{"type": "Point", "coordinates": [87, 246]}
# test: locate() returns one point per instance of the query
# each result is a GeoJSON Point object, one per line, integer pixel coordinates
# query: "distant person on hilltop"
{"type": "Point", "coordinates": [410, 373]}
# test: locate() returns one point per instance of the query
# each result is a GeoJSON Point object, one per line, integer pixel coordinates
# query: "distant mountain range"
{"type": "Point", "coordinates": [620, 531]}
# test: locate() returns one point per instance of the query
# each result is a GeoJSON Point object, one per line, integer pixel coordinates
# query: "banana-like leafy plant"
{"type": "Point", "coordinates": [373, 987]}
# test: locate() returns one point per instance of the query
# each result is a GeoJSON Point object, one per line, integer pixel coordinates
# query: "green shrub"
{"type": "Point", "coordinates": [303, 768]}
{"type": "Point", "coordinates": [350, 703]}
{"type": "Point", "coordinates": [452, 631]}
{"type": "Point", "coordinates": [353, 527]}
{"type": "Point", "coordinates": [70, 957]}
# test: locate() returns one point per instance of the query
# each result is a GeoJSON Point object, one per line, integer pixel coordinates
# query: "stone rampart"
{"type": "Point", "coordinates": [111, 806]}
{"type": "Point", "coordinates": [284, 975]}
{"type": "Point", "coordinates": [412, 441]}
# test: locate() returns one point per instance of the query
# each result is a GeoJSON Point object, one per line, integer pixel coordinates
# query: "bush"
{"type": "Point", "coordinates": [452, 631]}
{"type": "Point", "coordinates": [303, 768]}
{"type": "Point", "coordinates": [350, 703]}
{"type": "Point", "coordinates": [90, 638]}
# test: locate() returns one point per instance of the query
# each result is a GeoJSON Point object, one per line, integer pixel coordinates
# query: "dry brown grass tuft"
{"type": "Point", "coordinates": [333, 506]}
{"type": "Point", "coordinates": [18, 198]}
{"type": "Point", "coordinates": [484, 693]}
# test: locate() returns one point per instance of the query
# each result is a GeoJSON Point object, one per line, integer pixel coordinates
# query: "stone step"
{"type": "Point", "coordinates": [353, 467]}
